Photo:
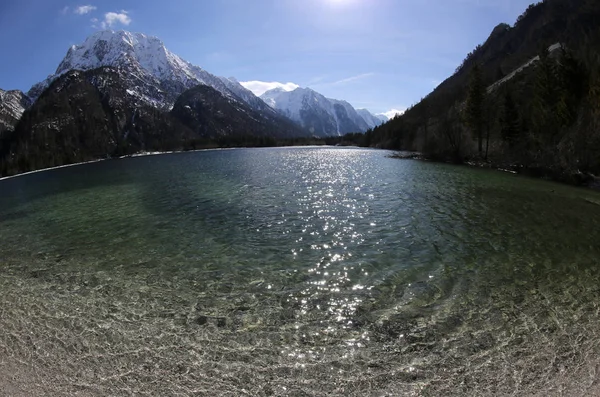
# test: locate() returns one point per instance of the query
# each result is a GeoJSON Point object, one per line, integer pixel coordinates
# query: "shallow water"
{"type": "Point", "coordinates": [296, 271]}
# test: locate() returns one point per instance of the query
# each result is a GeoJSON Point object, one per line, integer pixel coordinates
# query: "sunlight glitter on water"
{"type": "Point", "coordinates": [296, 271]}
{"type": "Point", "coordinates": [330, 210]}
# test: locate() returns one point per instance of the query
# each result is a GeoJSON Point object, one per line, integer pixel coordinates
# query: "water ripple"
{"type": "Point", "coordinates": [336, 265]}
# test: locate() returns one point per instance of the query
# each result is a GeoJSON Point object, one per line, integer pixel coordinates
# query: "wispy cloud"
{"type": "Point", "coordinates": [82, 10]}
{"type": "Point", "coordinates": [65, 10]}
{"type": "Point", "coordinates": [316, 80]}
{"type": "Point", "coordinates": [390, 114]}
{"type": "Point", "coordinates": [347, 80]}
{"type": "Point", "coordinates": [353, 78]}
{"type": "Point", "coordinates": [113, 18]}
{"type": "Point", "coordinates": [260, 87]}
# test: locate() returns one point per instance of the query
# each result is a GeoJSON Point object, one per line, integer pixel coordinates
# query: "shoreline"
{"type": "Point", "coordinates": [145, 154]}
{"type": "Point", "coordinates": [587, 181]}
{"type": "Point", "coordinates": [50, 168]}
{"type": "Point", "coordinates": [140, 154]}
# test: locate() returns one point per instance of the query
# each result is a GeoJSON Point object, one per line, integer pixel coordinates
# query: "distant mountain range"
{"type": "Point", "coordinates": [155, 76]}
{"type": "Point", "coordinates": [129, 93]}
{"type": "Point", "coordinates": [321, 116]}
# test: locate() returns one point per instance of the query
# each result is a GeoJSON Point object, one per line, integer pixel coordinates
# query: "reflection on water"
{"type": "Point", "coordinates": [298, 271]}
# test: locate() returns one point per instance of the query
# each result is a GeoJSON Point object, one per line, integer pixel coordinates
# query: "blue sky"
{"type": "Point", "coordinates": [376, 54]}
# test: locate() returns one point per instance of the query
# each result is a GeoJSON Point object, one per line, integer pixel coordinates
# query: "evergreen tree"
{"type": "Point", "coordinates": [545, 107]}
{"type": "Point", "coordinates": [474, 106]}
{"type": "Point", "coordinates": [573, 86]}
{"type": "Point", "coordinates": [510, 125]}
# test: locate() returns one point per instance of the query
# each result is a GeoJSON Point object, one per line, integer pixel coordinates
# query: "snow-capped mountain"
{"type": "Point", "coordinates": [320, 115]}
{"type": "Point", "coordinates": [255, 102]}
{"type": "Point", "coordinates": [384, 118]}
{"type": "Point", "coordinates": [12, 105]}
{"type": "Point", "coordinates": [155, 75]}
{"type": "Point", "coordinates": [371, 119]}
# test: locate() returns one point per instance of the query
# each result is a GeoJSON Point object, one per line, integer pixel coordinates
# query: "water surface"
{"type": "Point", "coordinates": [296, 271]}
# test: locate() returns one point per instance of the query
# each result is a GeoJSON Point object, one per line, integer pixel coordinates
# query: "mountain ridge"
{"type": "Point", "coordinates": [157, 77]}
{"type": "Point", "coordinates": [12, 105]}
{"type": "Point", "coordinates": [89, 115]}
{"type": "Point", "coordinates": [160, 76]}
{"type": "Point", "coordinates": [526, 99]}
{"type": "Point", "coordinates": [320, 115]}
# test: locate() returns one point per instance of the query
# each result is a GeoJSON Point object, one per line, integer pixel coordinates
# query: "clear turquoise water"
{"type": "Point", "coordinates": [296, 271]}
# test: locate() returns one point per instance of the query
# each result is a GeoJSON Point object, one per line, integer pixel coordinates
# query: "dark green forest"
{"type": "Point", "coordinates": [544, 119]}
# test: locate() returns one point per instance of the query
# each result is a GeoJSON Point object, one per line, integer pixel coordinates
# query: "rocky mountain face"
{"type": "Point", "coordinates": [121, 93]}
{"type": "Point", "coordinates": [371, 119]}
{"type": "Point", "coordinates": [209, 114]}
{"type": "Point", "coordinates": [87, 115]}
{"type": "Point", "coordinates": [12, 105]}
{"type": "Point", "coordinates": [247, 96]}
{"type": "Point", "coordinates": [84, 116]}
{"type": "Point", "coordinates": [320, 115]}
{"type": "Point", "coordinates": [153, 74]}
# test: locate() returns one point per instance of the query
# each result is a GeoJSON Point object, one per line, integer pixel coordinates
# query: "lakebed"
{"type": "Point", "coordinates": [296, 271]}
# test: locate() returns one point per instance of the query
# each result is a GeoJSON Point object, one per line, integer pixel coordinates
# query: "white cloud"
{"type": "Point", "coordinates": [260, 87]}
{"type": "Point", "coordinates": [82, 10]}
{"type": "Point", "coordinates": [393, 112]}
{"type": "Point", "coordinates": [65, 10]}
{"type": "Point", "coordinates": [113, 18]}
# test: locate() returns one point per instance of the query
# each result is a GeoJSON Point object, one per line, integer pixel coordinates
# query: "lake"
{"type": "Point", "coordinates": [296, 271]}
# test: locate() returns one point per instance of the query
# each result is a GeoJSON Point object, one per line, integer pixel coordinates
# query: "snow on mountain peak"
{"type": "Point", "coordinates": [373, 120]}
{"type": "Point", "coordinates": [260, 87]}
{"type": "Point", "coordinates": [390, 114]}
{"type": "Point", "coordinates": [149, 66]}
{"type": "Point", "coordinates": [155, 76]}
{"type": "Point", "coordinates": [110, 48]}
{"type": "Point", "coordinates": [323, 116]}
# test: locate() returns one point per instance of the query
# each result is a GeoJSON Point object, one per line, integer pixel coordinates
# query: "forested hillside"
{"type": "Point", "coordinates": [90, 115]}
{"type": "Point", "coordinates": [527, 98]}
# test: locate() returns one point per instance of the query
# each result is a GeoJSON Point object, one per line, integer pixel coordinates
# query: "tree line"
{"type": "Point", "coordinates": [544, 119]}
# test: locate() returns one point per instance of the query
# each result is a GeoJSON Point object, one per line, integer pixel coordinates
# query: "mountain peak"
{"type": "Point", "coordinates": [131, 38]}
{"type": "Point", "coordinates": [155, 75]}
{"type": "Point", "coordinates": [272, 91]}
{"type": "Point", "coordinates": [110, 48]}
